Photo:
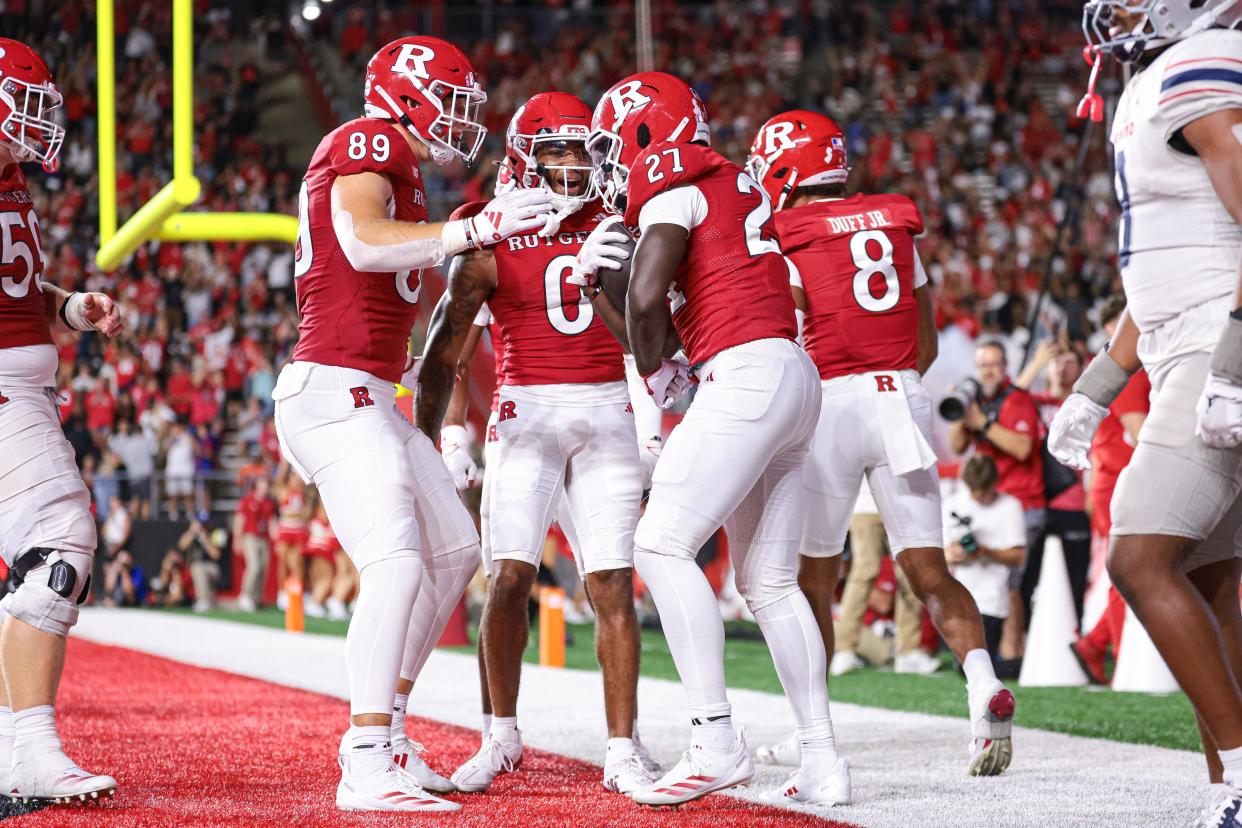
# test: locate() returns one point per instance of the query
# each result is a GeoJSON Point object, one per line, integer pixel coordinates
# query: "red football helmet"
{"type": "Point", "coordinates": [797, 149]}
{"type": "Point", "coordinates": [550, 120]}
{"type": "Point", "coordinates": [643, 109]}
{"type": "Point", "coordinates": [428, 85]}
{"type": "Point", "coordinates": [27, 99]}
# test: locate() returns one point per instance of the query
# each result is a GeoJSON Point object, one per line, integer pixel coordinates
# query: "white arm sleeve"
{"type": "Point", "coordinates": [920, 273]}
{"type": "Point", "coordinates": [684, 206]}
{"type": "Point", "coordinates": [385, 258]}
{"type": "Point", "coordinates": [795, 275]}
{"type": "Point", "coordinates": [484, 317]}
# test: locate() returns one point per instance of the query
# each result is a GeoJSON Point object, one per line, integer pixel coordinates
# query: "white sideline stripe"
{"type": "Point", "coordinates": [905, 766]}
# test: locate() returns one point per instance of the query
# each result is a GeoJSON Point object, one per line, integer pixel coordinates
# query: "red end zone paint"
{"type": "Point", "coordinates": [196, 747]}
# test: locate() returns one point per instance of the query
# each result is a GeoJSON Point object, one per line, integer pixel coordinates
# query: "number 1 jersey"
{"type": "Point", "coordinates": [858, 264]}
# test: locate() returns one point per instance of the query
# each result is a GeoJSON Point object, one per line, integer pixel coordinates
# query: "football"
{"type": "Point", "coordinates": [617, 282]}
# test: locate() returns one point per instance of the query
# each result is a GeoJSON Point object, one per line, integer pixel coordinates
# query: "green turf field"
{"type": "Point", "coordinates": [1166, 721]}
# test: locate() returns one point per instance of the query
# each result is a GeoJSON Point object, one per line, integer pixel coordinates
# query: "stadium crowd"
{"type": "Point", "coordinates": [966, 107]}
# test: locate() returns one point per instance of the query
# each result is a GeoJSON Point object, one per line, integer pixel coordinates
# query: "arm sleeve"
{"type": "Point", "coordinates": [484, 317]}
{"type": "Point", "coordinates": [1203, 77]}
{"type": "Point", "coordinates": [920, 273]}
{"type": "Point", "coordinates": [684, 206]}
{"type": "Point", "coordinates": [795, 275]}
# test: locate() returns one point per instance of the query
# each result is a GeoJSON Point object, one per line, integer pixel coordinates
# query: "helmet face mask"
{"type": "Point", "coordinates": [610, 176]}
{"type": "Point", "coordinates": [546, 147]}
{"type": "Point", "coordinates": [27, 104]}
{"type": "Point", "coordinates": [1128, 28]}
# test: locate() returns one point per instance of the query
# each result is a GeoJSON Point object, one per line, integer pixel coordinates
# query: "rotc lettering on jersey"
{"type": "Point", "coordinates": [507, 411]}
{"type": "Point", "coordinates": [870, 220]}
{"type": "Point", "coordinates": [532, 241]}
{"type": "Point", "coordinates": [362, 396]}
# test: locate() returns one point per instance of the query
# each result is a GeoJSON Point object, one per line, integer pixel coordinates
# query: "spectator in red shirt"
{"type": "Point", "coordinates": [100, 408]}
{"type": "Point", "coordinates": [1003, 423]}
{"type": "Point", "coordinates": [180, 389]}
{"type": "Point", "coordinates": [251, 534]}
{"type": "Point", "coordinates": [205, 398]}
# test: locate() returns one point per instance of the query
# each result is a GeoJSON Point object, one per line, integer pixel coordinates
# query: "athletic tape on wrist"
{"type": "Point", "coordinates": [1103, 380]}
{"type": "Point", "coordinates": [1227, 358]}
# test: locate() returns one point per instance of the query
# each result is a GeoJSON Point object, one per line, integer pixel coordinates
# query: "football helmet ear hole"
{"type": "Point", "coordinates": [644, 135]}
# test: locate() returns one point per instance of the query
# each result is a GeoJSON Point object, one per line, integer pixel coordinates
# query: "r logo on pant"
{"type": "Point", "coordinates": [883, 382]}
{"type": "Point", "coordinates": [508, 410]}
{"type": "Point", "coordinates": [362, 396]}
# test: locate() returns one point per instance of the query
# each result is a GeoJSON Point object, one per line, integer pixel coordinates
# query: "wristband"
{"type": "Point", "coordinates": [456, 237]}
{"type": "Point", "coordinates": [454, 435]}
{"type": "Point", "coordinates": [1102, 380]}
{"type": "Point", "coordinates": [599, 288]}
{"type": "Point", "coordinates": [1227, 358]}
{"type": "Point", "coordinates": [61, 312]}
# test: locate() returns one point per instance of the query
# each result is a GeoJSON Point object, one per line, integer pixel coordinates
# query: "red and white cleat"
{"type": "Point", "coordinates": [816, 788]}
{"type": "Point", "coordinates": [493, 759]}
{"type": "Point", "coordinates": [389, 790]}
{"type": "Point", "coordinates": [406, 755]}
{"type": "Point", "coordinates": [51, 776]}
{"type": "Point", "coordinates": [991, 716]}
{"type": "Point", "coordinates": [700, 772]}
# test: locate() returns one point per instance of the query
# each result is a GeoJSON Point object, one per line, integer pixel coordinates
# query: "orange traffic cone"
{"type": "Point", "coordinates": [552, 627]}
{"type": "Point", "coordinates": [294, 620]}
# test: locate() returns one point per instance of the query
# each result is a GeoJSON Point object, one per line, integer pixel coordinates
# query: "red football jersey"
{"type": "Point", "coordinates": [1110, 453]}
{"type": "Point", "coordinates": [856, 256]}
{"type": "Point", "coordinates": [352, 319]}
{"type": "Point", "coordinates": [23, 314]}
{"type": "Point", "coordinates": [550, 331]}
{"type": "Point", "coordinates": [732, 286]}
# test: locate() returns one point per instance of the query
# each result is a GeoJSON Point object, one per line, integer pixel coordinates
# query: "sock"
{"type": "Point", "coordinates": [35, 726]}
{"type": "Point", "coordinates": [1231, 763]}
{"type": "Point", "coordinates": [504, 729]}
{"type": "Point", "coordinates": [487, 724]}
{"type": "Point", "coordinates": [978, 668]}
{"type": "Point", "coordinates": [399, 703]}
{"type": "Point", "coordinates": [620, 747]}
{"type": "Point", "coordinates": [713, 733]}
{"type": "Point", "coordinates": [373, 645]}
{"type": "Point", "coordinates": [370, 749]}
{"type": "Point", "coordinates": [691, 621]}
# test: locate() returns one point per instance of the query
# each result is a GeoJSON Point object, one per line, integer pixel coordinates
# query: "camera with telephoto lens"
{"type": "Point", "coordinates": [953, 407]}
{"type": "Point", "coordinates": [969, 544]}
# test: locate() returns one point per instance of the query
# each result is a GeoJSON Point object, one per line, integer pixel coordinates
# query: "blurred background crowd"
{"type": "Point", "coordinates": [965, 105]}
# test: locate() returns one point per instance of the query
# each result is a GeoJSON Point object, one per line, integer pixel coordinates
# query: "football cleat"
{"type": "Point", "coordinates": [625, 774]}
{"type": "Point", "coordinates": [1091, 659]}
{"type": "Point", "coordinates": [389, 790]}
{"type": "Point", "coordinates": [1223, 811]}
{"type": "Point", "coordinates": [493, 759]}
{"type": "Point", "coordinates": [845, 661]}
{"type": "Point", "coordinates": [916, 662]}
{"type": "Point", "coordinates": [992, 748]}
{"type": "Point", "coordinates": [406, 756]}
{"type": "Point", "coordinates": [650, 765]}
{"type": "Point", "coordinates": [812, 788]}
{"type": "Point", "coordinates": [51, 776]}
{"type": "Point", "coordinates": [788, 752]}
{"type": "Point", "coordinates": [700, 772]}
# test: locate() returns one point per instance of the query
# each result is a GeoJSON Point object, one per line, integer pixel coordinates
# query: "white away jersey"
{"type": "Point", "coordinates": [1179, 247]}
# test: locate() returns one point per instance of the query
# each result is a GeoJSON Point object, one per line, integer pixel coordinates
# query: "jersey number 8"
{"type": "Point", "coordinates": [870, 266]}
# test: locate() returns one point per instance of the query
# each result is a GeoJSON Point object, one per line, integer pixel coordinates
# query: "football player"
{"type": "Point", "coordinates": [564, 426]}
{"type": "Point", "coordinates": [709, 264]}
{"type": "Point", "coordinates": [1177, 139]}
{"type": "Point", "coordinates": [363, 238]}
{"type": "Point", "coordinates": [868, 326]}
{"type": "Point", "coordinates": [47, 535]}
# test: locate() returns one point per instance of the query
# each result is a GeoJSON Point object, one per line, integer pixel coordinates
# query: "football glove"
{"type": "Point", "coordinates": [1073, 427]}
{"type": "Point", "coordinates": [1220, 413]}
{"type": "Point", "coordinates": [600, 250]}
{"type": "Point", "coordinates": [455, 449]}
{"type": "Point", "coordinates": [668, 383]}
{"type": "Point", "coordinates": [512, 214]}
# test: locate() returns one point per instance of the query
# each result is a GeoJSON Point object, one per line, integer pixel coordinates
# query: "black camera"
{"type": "Point", "coordinates": [969, 544]}
{"type": "Point", "coordinates": [953, 407]}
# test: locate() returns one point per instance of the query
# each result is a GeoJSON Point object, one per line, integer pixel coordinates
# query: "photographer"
{"type": "Point", "coordinates": [125, 584]}
{"type": "Point", "coordinates": [984, 542]}
{"type": "Point", "coordinates": [1001, 421]}
{"type": "Point", "coordinates": [204, 557]}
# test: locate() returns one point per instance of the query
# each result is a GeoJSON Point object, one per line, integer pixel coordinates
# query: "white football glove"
{"type": "Point", "coordinates": [668, 383]}
{"type": "Point", "coordinates": [600, 251]}
{"type": "Point", "coordinates": [512, 214]}
{"type": "Point", "coordinates": [1073, 427]}
{"type": "Point", "coordinates": [1220, 413]}
{"type": "Point", "coordinates": [409, 377]}
{"type": "Point", "coordinates": [455, 449]}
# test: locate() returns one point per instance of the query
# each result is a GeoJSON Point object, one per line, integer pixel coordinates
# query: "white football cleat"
{"type": "Point", "coordinates": [389, 790]}
{"type": "Point", "coordinates": [625, 774]}
{"type": "Point", "coordinates": [807, 787]}
{"type": "Point", "coordinates": [845, 661]}
{"type": "Point", "coordinates": [314, 609]}
{"type": "Point", "coordinates": [700, 772]}
{"type": "Point", "coordinates": [916, 662]}
{"type": "Point", "coordinates": [650, 765]}
{"type": "Point", "coordinates": [788, 752]}
{"type": "Point", "coordinates": [1224, 810]}
{"type": "Point", "coordinates": [991, 716]}
{"type": "Point", "coordinates": [493, 759]}
{"type": "Point", "coordinates": [51, 776]}
{"type": "Point", "coordinates": [337, 611]}
{"type": "Point", "coordinates": [405, 755]}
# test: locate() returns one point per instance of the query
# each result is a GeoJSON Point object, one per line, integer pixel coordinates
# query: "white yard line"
{"type": "Point", "coordinates": [908, 768]}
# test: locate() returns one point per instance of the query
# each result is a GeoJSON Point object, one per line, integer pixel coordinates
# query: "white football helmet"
{"type": "Point", "coordinates": [1156, 23]}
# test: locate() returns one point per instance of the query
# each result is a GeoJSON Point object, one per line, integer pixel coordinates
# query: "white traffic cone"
{"type": "Point", "coordinates": [1054, 626]}
{"type": "Point", "coordinates": [1140, 668]}
{"type": "Point", "coordinates": [1096, 600]}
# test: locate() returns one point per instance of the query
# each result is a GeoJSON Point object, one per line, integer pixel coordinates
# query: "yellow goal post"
{"type": "Point", "coordinates": [162, 217]}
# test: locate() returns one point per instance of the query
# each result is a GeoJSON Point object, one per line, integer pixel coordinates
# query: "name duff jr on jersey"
{"type": "Point", "coordinates": [870, 220]}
